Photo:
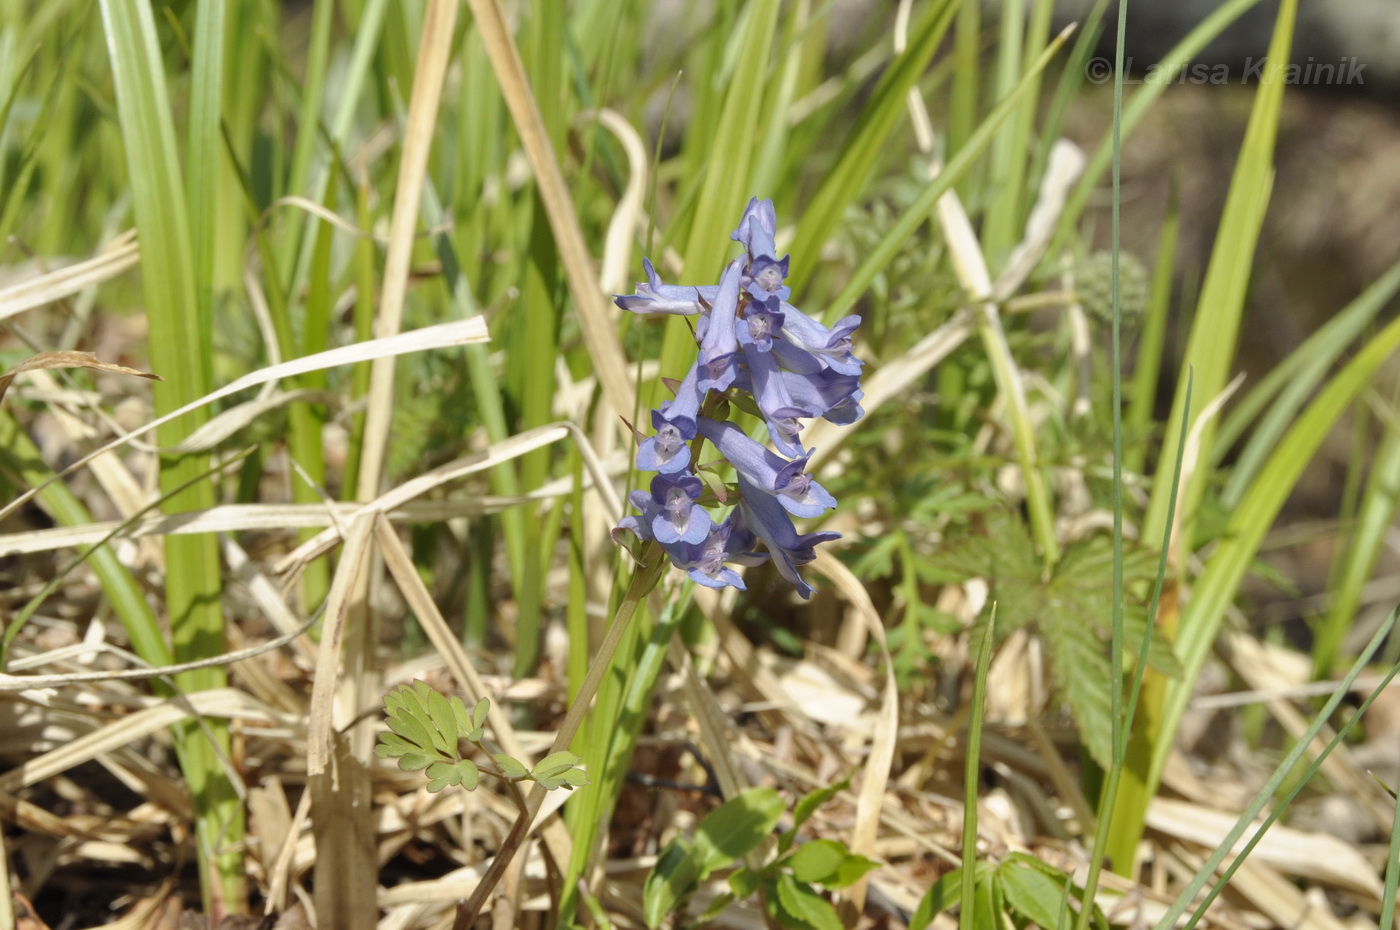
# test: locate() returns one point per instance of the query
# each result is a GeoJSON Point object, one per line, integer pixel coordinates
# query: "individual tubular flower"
{"type": "Point", "coordinates": [750, 341]}
{"type": "Point", "coordinates": [798, 494]}
{"type": "Point", "coordinates": [655, 297]}
{"type": "Point", "coordinates": [678, 517]}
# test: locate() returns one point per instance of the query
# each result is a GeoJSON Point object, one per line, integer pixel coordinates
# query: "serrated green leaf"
{"type": "Point", "coordinates": [553, 765]}
{"type": "Point", "coordinates": [817, 861]}
{"type": "Point", "coordinates": [803, 907]}
{"type": "Point", "coordinates": [737, 826]}
{"type": "Point", "coordinates": [1081, 667]}
{"type": "Point", "coordinates": [852, 869]}
{"type": "Point", "coordinates": [415, 761]}
{"type": "Point", "coordinates": [678, 871]}
{"type": "Point", "coordinates": [510, 767]}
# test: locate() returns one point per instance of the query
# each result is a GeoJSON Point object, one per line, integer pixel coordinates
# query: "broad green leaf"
{"type": "Point", "coordinates": [805, 907]}
{"type": "Point", "coordinates": [941, 895]}
{"type": "Point", "coordinates": [817, 861]}
{"type": "Point", "coordinates": [737, 826]}
{"type": "Point", "coordinates": [413, 730]}
{"type": "Point", "coordinates": [510, 767]}
{"type": "Point", "coordinates": [460, 715]}
{"type": "Point", "coordinates": [554, 765]}
{"type": "Point", "coordinates": [444, 723]}
{"type": "Point", "coordinates": [391, 744]}
{"type": "Point", "coordinates": [677, 872]}
{"type": "Point", "coordinates": [468, 775]}
{"type": "Point", "coordinates": [575, 778]}
{"type": "Point", "coordinates": [415, 761]}
{"type": "Point", "coordinates": [744, 882]}
{"type": "Point", "coordinates": [483, 707]}
{"type": "Point", "coordinates": [808, 803]}
{"type": "Point", "coordinates": [1031, 893]}
{"type": "Point", "coordinates": [442, 774]}
{"type": "Point", "coordinates": [853, 868]}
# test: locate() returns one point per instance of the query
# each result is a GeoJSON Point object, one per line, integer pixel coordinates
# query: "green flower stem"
{"type": "Point", "coordinates": [653, 563]}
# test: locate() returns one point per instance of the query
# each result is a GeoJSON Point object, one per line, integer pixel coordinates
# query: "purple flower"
{"type": "Point", "coordinates": [639, 524]}
{"type": "Point", "coordinates": [666, 450]}
{"type": "Point", "coordinates": [831, 346]}
{"type": "Point", "coordinates": [720, 344]}
{"type": "Point", "coordinates": [770, 522]}
{"type": "Point", "coordinates": [750, 340]}
{"type": "Point", "coordinates": [726, 542]}
{"type": "Point", "coordinates": [655, 297]}
{"type": "Point", "coordinates": [757, 229]}
{"type": "Point", "coordinates": [795, 491]}
{"type": "Point", "coordinates": [678, 518]}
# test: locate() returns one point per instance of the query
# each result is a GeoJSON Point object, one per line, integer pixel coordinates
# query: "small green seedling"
{"type": "Point", "coordinates": [426, 729]}
{"type": "Point", "coordinates": [787, 883]}
{"type": "Point", "coordinates": [1020, 887]}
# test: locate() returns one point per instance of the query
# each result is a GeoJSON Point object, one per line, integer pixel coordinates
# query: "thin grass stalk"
{"type": "Point", "coordinates": [647, 574]}
{"type": "Point", "coordinates": [972, 774]}
{"type": "Point", "coordinates": [1006, 161]}
{"type": "Point", "coordinates": [309, 122]}
{"type": "Point", "coordinates": [434, 53]}
{"type": "Point", "coordinates": [1280, 774]}
{"type": "Point", "coordinates": [179, 349]}
{"type": "Point", "coordinates": [599, 335]}
{"type": "Point", "coordinates": [1115, 367]}
{"type": "Point", "coordinates": [1249, 524]}
{"type": "Point", "coordinates": [1392, 873]}
{"type": "Point", "coordinates": [622, 744]}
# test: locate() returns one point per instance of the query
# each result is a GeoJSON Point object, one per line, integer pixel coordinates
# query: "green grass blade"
{"type": "Point", "coordinates": [868, 141]}
{"type": "Point", "coordinates": [178, 351]}
{"type": "Point", "coordinates": [1210, 351]}
{"type": "Point", "coordinates": [1392, 873]}
{"type": "Point", "coordinates": [1278, 397]}
{"type": "Point", "coordinates": [728, 170]}
{"type": "Point", "coordinates": [1267, 791]}
{"type": "Point", "coordinates": [1357, 557]}
{"type": "Point", "coordinates": [957, 166]}
{"type": "Point", "coordinates": [972, 774]}
{"type": "Point", "coordinates": [1250, 522]}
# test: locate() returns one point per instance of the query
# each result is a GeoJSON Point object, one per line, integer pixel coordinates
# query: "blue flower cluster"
{"type": "Point", "coordinates": [752, 341]}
